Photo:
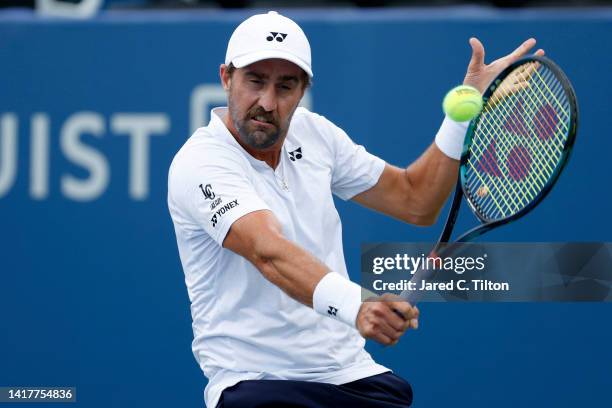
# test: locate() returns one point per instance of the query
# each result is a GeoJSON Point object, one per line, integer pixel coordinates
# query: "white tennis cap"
{"type": "Point", "coordinates": [265, 36]}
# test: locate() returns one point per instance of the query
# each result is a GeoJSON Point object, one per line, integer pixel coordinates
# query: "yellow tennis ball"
{"type": "Point", "coordinates": [462, 103]}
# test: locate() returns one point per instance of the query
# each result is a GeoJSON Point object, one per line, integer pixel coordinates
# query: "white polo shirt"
{"type": "Point", "coordinates": [244, 326]}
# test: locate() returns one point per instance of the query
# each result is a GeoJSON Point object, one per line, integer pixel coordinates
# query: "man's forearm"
{"type": "Point", "coordinates": [309, 281]}
{"type": "Point", "coordinates": [432, 177]}
{"type": "Point", "coordinates": [291, 268]}
{"type": "Point", "coordinates": [258, 237]}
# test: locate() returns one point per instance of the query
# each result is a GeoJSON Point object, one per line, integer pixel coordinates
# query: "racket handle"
{"type": "Point", "coordinates": [421, 275]}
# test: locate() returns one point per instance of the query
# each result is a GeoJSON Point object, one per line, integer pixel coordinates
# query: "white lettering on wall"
{"type": "Point", "coordinates": [39, 157]}
{"type": "Point", "coordinates": [85, 156]}
{"type": "Point", "coordinates": [8, 152]}
{"type": "Point", "coordinates": [140, 127]}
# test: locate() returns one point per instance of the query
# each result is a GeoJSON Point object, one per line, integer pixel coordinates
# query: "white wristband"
{"type": "Point", "coordinates": [450, 137]}
{"type": "Point", "coordinates": [337, 297]}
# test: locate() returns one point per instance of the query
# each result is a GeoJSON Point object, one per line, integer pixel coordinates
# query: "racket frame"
{"type": "Point", "coordinates": [460, 190]}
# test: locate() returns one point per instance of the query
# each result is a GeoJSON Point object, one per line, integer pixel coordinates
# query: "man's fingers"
{"type": "Point", "coordinates": [379, 330]}
{"type": "Point", "coordinates": [478, 55]}
{"type": "Point", "coordinates": [400, 307]}
{"type": "Point", "coordinates": [391, 322]}
{"type": "Point", "coordinates": [387, 319]}
{"type": "Point", "coordinates": [395, 319]}
{"type": "Point", "coordinates": [410, 316]}
{"type": "Point", "coordinates": [540, 52]}
{"type": "Point", "coordinates": [384, 339]}
{"type": "Point", "coordinates": [522, 49]}
{"type": "Point", "coordinates": [404, 309]}
{"type": "Point", "coordinates": [403, 312]}
{"type": "Point", "coordinates": [391, 332]}
{"type": "Point", "coordinates": [413, 322]}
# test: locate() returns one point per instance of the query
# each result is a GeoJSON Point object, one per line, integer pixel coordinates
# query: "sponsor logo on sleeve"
{"type": "Point", "coordinates": [207, 191]}
{"type": "Point", "coordinates": [222, 211]}
{"type": "Point", "coordinates": [215, 203]}
{"type": "Point", "coordinates": [209, 194]}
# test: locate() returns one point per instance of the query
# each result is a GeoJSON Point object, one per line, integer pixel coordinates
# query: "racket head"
{"type": "Point", "coordinates": [517, 147]}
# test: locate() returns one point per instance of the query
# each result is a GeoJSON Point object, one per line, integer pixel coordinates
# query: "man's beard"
{"type": "Point", "coordinates": [254, 136]}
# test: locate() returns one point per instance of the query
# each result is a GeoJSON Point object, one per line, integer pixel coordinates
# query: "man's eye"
{"type": "Point", "coordinates": [286, 87]}
{"type": "Point", "coordinates": [256, 81]}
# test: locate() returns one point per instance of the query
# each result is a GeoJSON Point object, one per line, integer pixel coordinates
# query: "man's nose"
{"type": "Point", "coordinates": [268, 99]}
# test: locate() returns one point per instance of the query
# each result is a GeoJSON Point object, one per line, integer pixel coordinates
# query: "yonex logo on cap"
{"type": "Point", "coordinates": [280, 37]}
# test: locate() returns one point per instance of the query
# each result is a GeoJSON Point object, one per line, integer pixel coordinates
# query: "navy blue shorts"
{"type": "Point", "coordinates": [385, 390]}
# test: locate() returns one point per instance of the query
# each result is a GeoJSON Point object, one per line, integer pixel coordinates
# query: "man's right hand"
{"type": "Point", "coordinates": [379, 319]}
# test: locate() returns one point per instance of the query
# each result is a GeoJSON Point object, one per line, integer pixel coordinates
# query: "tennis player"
{"type": "Point", "coordinates": [276, 320]}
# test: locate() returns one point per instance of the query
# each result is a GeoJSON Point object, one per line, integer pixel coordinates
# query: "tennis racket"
{"type": "Point", "coordinates": [514, 150]}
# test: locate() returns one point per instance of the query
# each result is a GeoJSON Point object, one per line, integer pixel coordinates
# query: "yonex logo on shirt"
{"type": "Point", "coordinates": [280, 37]}
{"type": "Point", "coordinates": [296, 154]}
{"type": "Point", "coordinates": [223, 210]}
{"type": "Point", "coordinates": [332, 311]}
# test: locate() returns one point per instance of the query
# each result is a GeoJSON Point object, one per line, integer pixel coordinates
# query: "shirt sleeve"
{"type": "Point", "coordinates": [354, 169]}
{"type": "Point", "coordinates": [215, 190]}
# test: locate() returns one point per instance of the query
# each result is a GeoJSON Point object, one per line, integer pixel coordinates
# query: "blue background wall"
{"type": "Point", "coordinates": [92, 292]}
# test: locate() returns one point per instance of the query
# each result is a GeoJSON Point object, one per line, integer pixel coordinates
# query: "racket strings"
{"type": "Point", "coordinates": [522, 157]}
{"type": "Point", "coordinates": [517, 163]}
{"type": "Point", "coordinates": [515, 190]}
{"type": "Point", "coordinates": [518, 141]}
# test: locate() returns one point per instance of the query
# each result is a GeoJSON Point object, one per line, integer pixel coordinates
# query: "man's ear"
{"type": "Point", "coordinates": [225, 76]}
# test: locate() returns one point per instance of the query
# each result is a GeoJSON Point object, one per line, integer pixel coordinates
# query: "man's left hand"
{"type": "Point", "coordinates": [480, 75]}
